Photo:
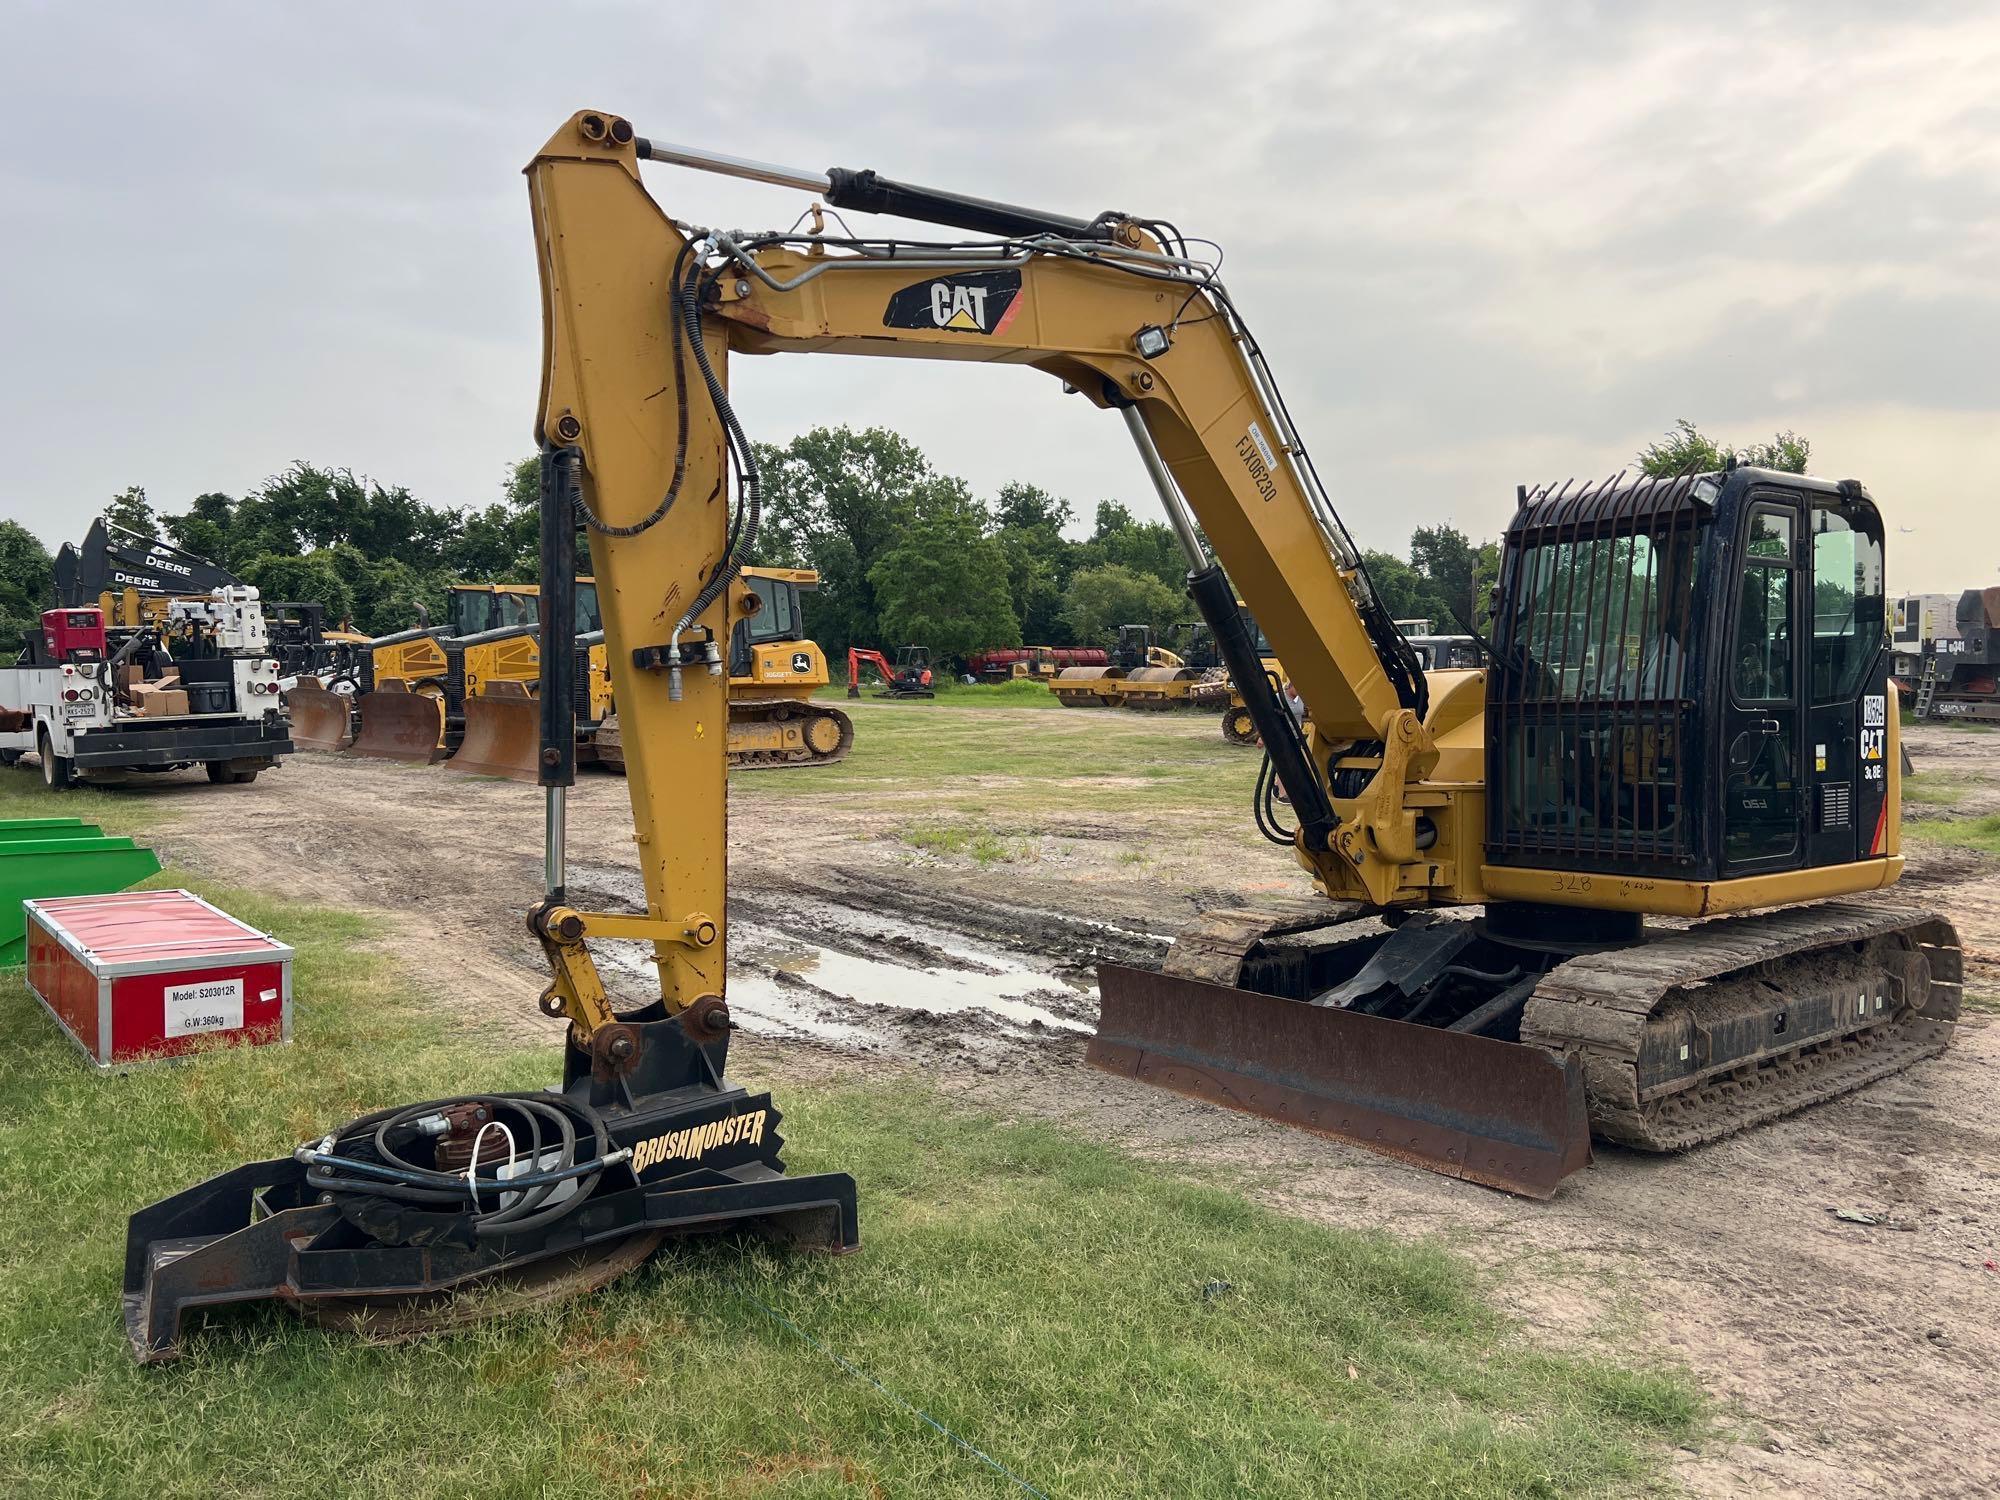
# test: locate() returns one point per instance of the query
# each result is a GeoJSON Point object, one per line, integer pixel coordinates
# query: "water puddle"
{"type": "Point", "coordinates": [785, 981]}
{"type": "Point", "coordinates": [776, 974]}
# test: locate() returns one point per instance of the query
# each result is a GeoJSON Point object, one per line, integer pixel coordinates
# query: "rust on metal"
{"type": "Point", "coordinates": [320, 720]}
{"type": "Point", "coordinates": [1492, 1112]}
{"type": "Point", "coordinates": [400, 726]}
{"type": "Point", "coordinates": [503, 733]}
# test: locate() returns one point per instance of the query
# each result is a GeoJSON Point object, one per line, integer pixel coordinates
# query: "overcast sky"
{"type": "Point", "coordinates": [1482, 244]}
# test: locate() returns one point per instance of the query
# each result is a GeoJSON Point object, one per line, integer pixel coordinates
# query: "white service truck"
{"type": "Point", "coordinates": [200, 689]}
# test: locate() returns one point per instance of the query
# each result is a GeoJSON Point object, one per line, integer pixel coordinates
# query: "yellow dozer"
{"type": "Point", "coordinates": [320, 702]}
{"type": "Point", "coordinates": [414, 706]}
{"type": "Point", "coordinates": [774, 670]}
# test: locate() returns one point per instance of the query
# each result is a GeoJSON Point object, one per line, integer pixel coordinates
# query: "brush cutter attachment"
{"type": "Point", "coordinates": [385, 1225]}
{"type": "Point", "coordinates": [321, 720]}
{"type": "Point", "coordinates": [397, 724]}
{"type": "Point", "coordinates": [502, 733]}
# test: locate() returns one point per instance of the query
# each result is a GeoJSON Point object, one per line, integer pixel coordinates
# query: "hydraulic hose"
{"type": "Point", "coordinates": [367, 1158]}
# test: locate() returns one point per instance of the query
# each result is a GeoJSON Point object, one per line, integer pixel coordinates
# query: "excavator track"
{"type": "Point", "coordinates": [1868, 989]}
{"type": "Point", "coordinates": [1685, 1037]}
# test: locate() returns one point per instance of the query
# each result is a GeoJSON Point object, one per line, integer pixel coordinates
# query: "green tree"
{"type": "Point", "coordinates": [1100, 599]}
{"type": "Point", "coordinates": [307, 507]}
{"type": "Point", "coordinates": [1405, 593]}
{"type": "Point", "coordinates": [1039, 559]}
{"type": "Point", "coordinates": [1122, 540]}
{"type": "Point", "coordinates": [944, 583]}
{"type": "Point", "coordinates": [27, 584]}
{"type": "Point", "coordinates": [312, 579]}
{"type": "Point", "coordinates": [205, 528]}
{"type": "Point", "coordinates": [131, 509]}
{"type": "Point", "coordinates": [1686, 450]}
{"type": "Point", "coordinates": [837, 500]}
{"type": "Point", "coordinates": [1445, 559]}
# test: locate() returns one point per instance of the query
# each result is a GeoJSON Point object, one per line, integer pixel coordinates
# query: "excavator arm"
{"type": "Point", "coordinates": [641, 315]}
{"type": "Point", "coordinates": [1382, 777]}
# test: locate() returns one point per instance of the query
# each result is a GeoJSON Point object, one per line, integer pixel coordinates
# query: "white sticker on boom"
{"type": "Point", "coordinates": [1263, 446]}
{"type": "Point", "coordinates": [212, 1005]}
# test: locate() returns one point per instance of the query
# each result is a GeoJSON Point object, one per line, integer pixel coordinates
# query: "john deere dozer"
{"type": "Point", "coordinates": [1687, 714]}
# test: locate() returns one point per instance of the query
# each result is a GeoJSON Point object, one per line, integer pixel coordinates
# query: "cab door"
{"type": "Point", "coordinates": [1848, 713]}
{"type": "Point", "coordinates": [1763, 823]}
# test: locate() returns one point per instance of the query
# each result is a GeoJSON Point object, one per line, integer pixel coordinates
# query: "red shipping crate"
{"type": "Point", "coordinates": [148, 974]}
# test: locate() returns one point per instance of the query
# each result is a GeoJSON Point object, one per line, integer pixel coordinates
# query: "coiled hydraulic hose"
{"type": "Point", "coordinates": [366, 1157]}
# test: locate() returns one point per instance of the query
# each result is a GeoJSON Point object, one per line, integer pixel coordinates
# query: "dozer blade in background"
{"type": "Point", "coordinates": [1498, 1113]}
{"type": "Point", "coordinates": [320, 720]}
{"type": "Point", "coordinates": [503, 733]}
{"type": "Point", "coordinates": [400, 726]}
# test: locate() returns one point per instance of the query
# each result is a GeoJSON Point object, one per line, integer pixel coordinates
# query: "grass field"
{"type": "Point", "coordinates": [1102, 1327]}
{"type": "Point", "coordinates": [1982, 834]}
{"type": "Point", "coordinates": [1075, 761]}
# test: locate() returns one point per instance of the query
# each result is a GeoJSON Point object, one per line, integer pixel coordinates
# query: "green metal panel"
{"type": "Point", "coordinates": [13, 830]}
{"type": "Point", "coordinates": [59, 857]}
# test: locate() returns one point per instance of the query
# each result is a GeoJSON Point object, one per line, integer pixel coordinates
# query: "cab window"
{"type": "Point", "coordinates": [588, 618]}
{"type": "Point", "coordinates": [1764, 610]}
{"type": "Point", "coordinates": [1847, 603]}
{"type": "Point", "coordinates": [775, 620]}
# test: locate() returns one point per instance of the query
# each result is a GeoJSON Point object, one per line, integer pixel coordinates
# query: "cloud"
{"type": "Point", "coordinates": [1482, 243]}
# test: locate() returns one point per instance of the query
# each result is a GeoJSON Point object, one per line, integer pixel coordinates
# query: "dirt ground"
{"type": "Point", "coordinates": [1850, 1360]}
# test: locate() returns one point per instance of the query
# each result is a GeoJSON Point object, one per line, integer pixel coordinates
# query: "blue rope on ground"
{"type": "Point", "coordinates": [923, 1416]}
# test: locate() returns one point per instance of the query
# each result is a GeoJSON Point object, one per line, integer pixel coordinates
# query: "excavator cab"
{"type": "Point", "coordinates": [777, 621]}
{"type": "Point", "coordinates": [1690, 681]}
{"type": "Point", "coordinates": [913, 669]}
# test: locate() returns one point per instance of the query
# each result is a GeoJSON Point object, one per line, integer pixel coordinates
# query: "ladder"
{"type": "Point", "coordinates": [1927, 686]}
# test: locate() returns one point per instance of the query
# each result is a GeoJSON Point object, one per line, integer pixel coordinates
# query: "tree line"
{"type": "Point", "coordinates": [906, 554]}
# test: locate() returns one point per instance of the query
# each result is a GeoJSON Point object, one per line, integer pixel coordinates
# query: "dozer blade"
{"type": "Point", "coordinates": [503, 734]}
{"type": "Point", "coordinates": [400, 726]}
{"type": "Point", "coordinates": [320, 720]}
{"type": "Point", "coordinates": [1492, 1112]}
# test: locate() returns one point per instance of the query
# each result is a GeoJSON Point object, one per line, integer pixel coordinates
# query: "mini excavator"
{"type": "Point", "coordinates": [1686, 717]}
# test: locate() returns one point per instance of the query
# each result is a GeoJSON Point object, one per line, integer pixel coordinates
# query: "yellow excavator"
{"type": "Point", "coordinates": [1687, 716]}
